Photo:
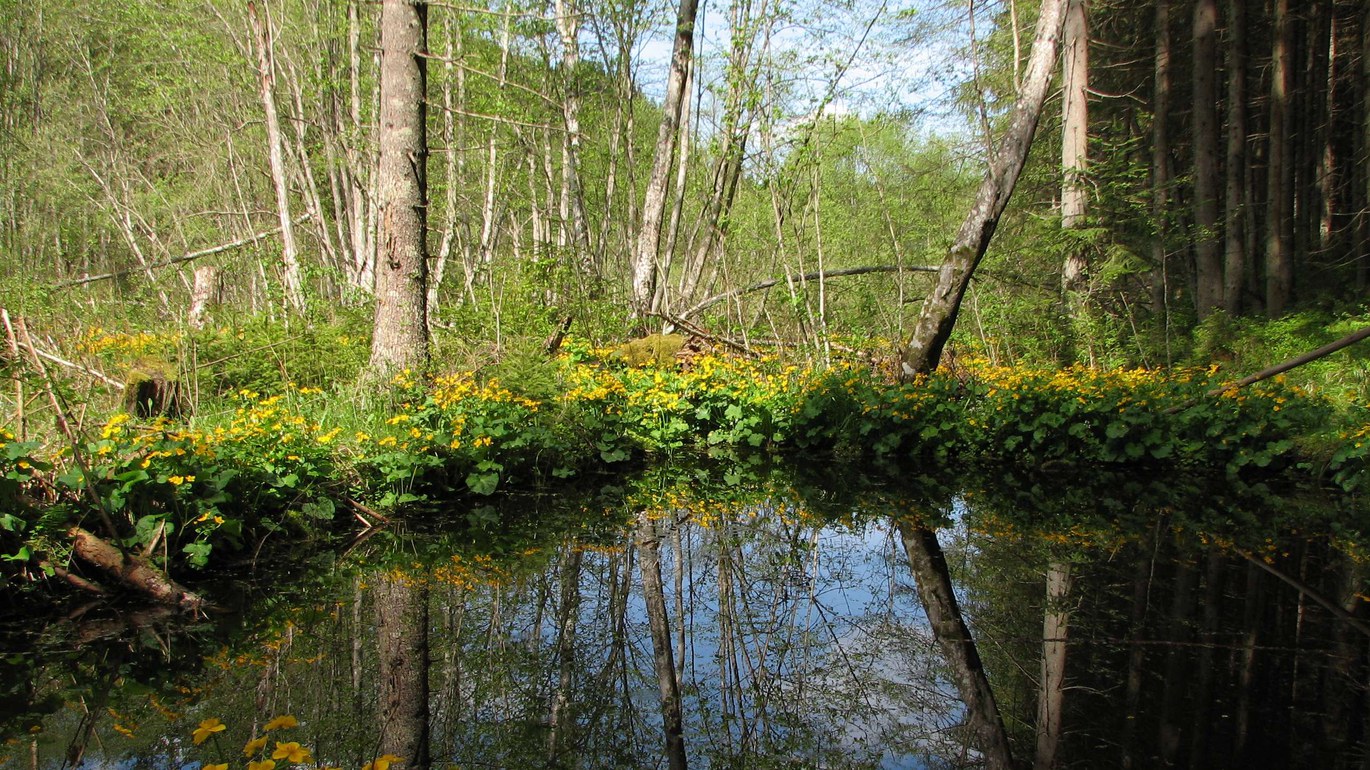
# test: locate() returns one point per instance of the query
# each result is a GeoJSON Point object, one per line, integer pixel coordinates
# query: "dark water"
{"type": "Point", "coordinates": [1192, 623]}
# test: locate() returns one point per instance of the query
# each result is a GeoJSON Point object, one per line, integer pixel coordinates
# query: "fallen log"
{"type": "Point", "coordinates": [132, 572]}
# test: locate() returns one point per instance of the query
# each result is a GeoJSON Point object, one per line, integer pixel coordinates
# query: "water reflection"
{"type": "Point", "coordinates": [755, 617]}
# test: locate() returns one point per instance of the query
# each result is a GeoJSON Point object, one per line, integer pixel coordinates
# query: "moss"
{"type": "Point", "coordinates": [151, 390]}
{"type": "Point", "coordinates": [654, 349]}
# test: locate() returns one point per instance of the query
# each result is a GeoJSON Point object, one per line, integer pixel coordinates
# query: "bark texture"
{"type": "Point", "coordinates": [401, 325]}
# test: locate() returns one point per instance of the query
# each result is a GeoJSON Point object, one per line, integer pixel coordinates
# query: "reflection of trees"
{"type": "Point", "coordinates": [401, 604]}
{"type": "Point", "coordinates": [954, 638]}
{"type": "Point", "coordinates": [654, 597]}
{"type": "Point", "coordinates": [1177, 617]}
{"type": "Point", "coordinates": [794, 638]}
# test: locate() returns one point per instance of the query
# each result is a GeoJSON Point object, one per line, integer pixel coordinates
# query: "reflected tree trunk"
{"type": "Point", "coordinates": [1136, 657]}
{"type": "Point", "coordinates": [1246, 672]}
{"type": "Point", "coordinates": [654, 596]}
{"type": "Point", "coordinates": [953, 636]}
{"type": "Point", "coordinates": [567, 614]}
{"type": "Point", "coordinates": [402, 643]}
{"type": "Point", "coordinates": [1173, 714]}
{"type": "Point", "coordinates": [1051, 695]}
{"type": "Point", "coordinates": [1203, 685]}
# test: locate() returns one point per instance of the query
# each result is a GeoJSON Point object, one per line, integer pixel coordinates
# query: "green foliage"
{"type": "Point", "coordinates": [1071, 416]}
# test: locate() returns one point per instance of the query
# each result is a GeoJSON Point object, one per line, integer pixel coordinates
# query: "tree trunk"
{"type": "Point", "coordinates": [572, 196]}
{"type": "Point", "coordinates": [401, 325]}
{"type": "Point", "coordinates": [1279, 263]}
{"type": "Point", "coordinates": [1235, 219]}
{"type": "Point", "coordinates": [290, 258]}
{"type": "Point", "coordinates": [1208, 265]}
{"type": "Point", "coordinates": [644, 264]}
{"type": "Point", "coordinates": [949, 628]}
{"type": "Point", "coordinates": [1363, 211]}
{"type": "Point", "coordinates": [1075, 163]}
{"type": "Point", "coordinates": [489, 213]}
{"type": "Point", "coordinates": [1160, 164]}
{"type": "Point", "coordinates": [205, 295]}
{"type": "Point", "coordinates": [131, 571]}
{"type": "Point", "coordinates": [938, 315]}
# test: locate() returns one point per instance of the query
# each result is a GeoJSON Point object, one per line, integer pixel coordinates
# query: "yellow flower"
{"type": "Point", "coordinates": [291, 752]}
{"type": "Point", "coordinates": [265, 764]}
{"type": "Point", "coordinates": [253, 746]}
{"type": "Point", "coordinates": [208, 728]}
{"type": "Point", "coordinates": [281, 723]}
{"type": "Point", "coordinates": [176, 481]}
{"type": "Point", "coordinates": [382, 762]}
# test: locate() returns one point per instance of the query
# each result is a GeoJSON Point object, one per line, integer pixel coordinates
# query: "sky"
{"type": "Point", "coordinates": [892, 55]}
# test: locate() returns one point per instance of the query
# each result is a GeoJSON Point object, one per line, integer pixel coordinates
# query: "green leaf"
{"type": "Point", "coordinates": [321, 509]}
{"type": "Point", "coordinates": [482, 483]}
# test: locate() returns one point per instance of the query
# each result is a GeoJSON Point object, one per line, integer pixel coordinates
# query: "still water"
{"type": "Point", "coordinates": [745, 615]}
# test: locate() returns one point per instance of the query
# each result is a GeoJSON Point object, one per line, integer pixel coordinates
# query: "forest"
{"type": "Point", "coordinates": [315, 305]}
{"type": "Point", "coordinates": [290, 256]}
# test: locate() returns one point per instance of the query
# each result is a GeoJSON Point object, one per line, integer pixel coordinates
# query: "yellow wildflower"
{"type": "Point", "coordinates": [281, 723]}
{"type": "Point", "coordinates": [253, 746]}
{"type": "Point", "coordinates": [382, 762]}
{"type": "Point", "coordinates": [265, 764]}
{"type": "Point", "coordinates": [208, 728]}
{"type": "Point", "coordinates": [291, 752]}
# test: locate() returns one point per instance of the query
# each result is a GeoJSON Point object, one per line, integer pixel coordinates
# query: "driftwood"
{"type": "Point", "coordinates": [131, 571]}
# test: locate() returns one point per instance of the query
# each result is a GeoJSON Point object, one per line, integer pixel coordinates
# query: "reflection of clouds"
{"type": "Point", "coordinates": [822, 642]}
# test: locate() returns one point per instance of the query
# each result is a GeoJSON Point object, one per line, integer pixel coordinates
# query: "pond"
{"type": "Point", "coordinates": [746, 615]}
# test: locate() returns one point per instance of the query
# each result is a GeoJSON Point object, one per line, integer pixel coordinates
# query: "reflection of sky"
{"type": "Point", "coordinates": [831, 643]}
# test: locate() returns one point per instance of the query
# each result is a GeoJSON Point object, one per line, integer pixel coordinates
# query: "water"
{"type": "Point", "coordinates": [1204, 625]}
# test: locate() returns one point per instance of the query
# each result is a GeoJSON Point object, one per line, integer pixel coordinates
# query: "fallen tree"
{"type": "Point", "coordinates": [131, 571]}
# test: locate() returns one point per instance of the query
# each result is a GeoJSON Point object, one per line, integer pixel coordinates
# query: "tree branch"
{"type": "Point", "coordinates": [177, 260]}
{"type": "Point", "coordinates": [814, 276]}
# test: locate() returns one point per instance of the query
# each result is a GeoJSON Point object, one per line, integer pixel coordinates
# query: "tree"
{"type": "Point", "coordinates": [290, 257]}
{"type": "Point", "coordinates": [1208, 264]}
{"type": "Point", "coordinates": [400, 337]}
{"type": "Point", "coordinates": [1279, 262]}
{"type": "Point", "coordinates": [937, 317]}
{"type": "Point", "coordinates": [1075, 153]}
{"type": "Point", "coordinates": [644, 264]}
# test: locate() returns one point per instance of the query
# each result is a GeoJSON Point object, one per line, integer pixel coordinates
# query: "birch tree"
{"type": "Point", "coordinates": [644, 262]}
